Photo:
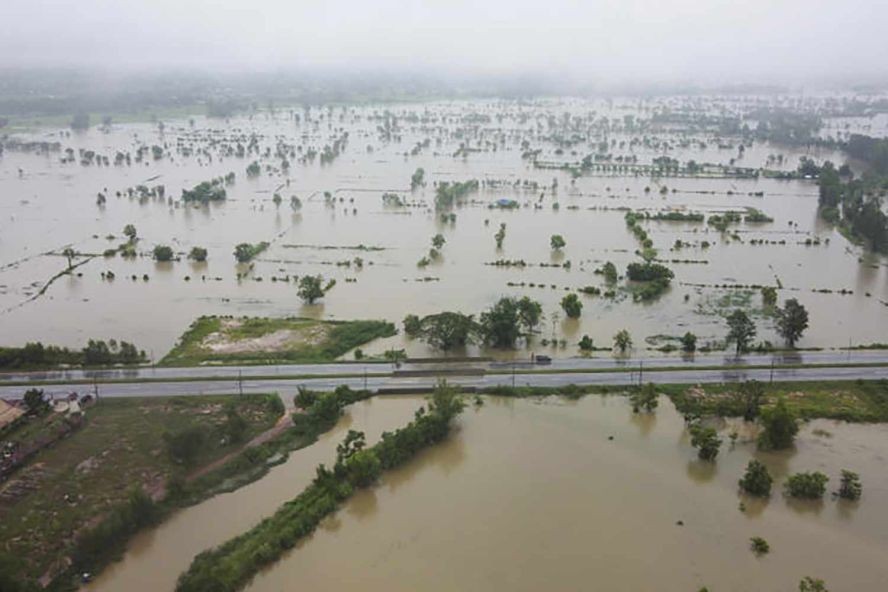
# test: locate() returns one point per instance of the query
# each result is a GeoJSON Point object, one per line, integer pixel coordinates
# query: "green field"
{"type": "Point", "coordinates": [249, 340]}
{"type": "Point", "coordinates": [118, 447]}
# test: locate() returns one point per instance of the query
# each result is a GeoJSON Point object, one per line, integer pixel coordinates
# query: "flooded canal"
{"type": "Point", "coordinates": [50, 202]}
{"type": "Point", "coordinates": [535, 495]}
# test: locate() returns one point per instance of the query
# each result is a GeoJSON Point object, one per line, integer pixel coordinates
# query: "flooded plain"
{"type": "Point", "coordinates": [583, 495]}
{"type": "Point", "coordinates": [49, 202]}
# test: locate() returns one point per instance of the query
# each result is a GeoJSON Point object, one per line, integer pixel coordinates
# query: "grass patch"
{"type": "Point", "coordinates": [861, 401]}
{"type": "Point", "coordinates": [244, 340]}
{"type": "Point", "coordinates": [71, 486]}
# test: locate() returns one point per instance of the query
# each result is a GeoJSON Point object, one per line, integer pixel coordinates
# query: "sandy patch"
{"type": "Point", "coordinates": [222, 342]}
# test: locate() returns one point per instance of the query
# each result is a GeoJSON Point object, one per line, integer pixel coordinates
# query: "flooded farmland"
{"type": "Point", "coordinates": [522, 154]}
{"type": "Point", "coordinates": [534, 495]}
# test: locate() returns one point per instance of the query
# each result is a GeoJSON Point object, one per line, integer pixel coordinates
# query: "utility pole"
{"type": "Point", "coordinates": [513, 373]}
{"type": "Point", "coordinates": [640, 372]}
{"type": "Point", "coordinates": [365, 378]}
{"type": "Point", "coordinates": [240, 382]}
{"type": "Point", "coordinates": [771, 381]}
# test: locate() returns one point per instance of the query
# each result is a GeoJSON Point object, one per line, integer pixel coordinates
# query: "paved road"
{"type": "Point", "coordinates": [604, 362]}
{"type": "Point", "coordinates": [288, 387]}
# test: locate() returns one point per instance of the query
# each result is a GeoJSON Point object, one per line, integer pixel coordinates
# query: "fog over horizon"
{"type": "Point", "coordinates": [582, 44]}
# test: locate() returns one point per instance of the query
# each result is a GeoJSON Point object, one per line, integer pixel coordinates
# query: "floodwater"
{"type": "Point", "coordinates": [47, 205]}
{"type": "Point", "coordinates": [534, 495]}
{"type": "Point", "coordinates": [155, 558]}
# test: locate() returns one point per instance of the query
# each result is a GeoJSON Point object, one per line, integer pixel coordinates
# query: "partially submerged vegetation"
{"type": "Point", "coordinates": [231, 565]}
{"type": "Point", "coordinates": [36, 356]}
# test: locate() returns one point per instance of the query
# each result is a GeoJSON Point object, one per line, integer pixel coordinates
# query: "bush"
{"type": "Point", "coordinates": [807, 485]}
{"type": "Point", "coordinates": [198, 254]}
{"type": "Point", "coordinates": [706, 441]}
{"type": "Point", "coordinates": [780, 427]}
{"type": "Point", "coordinates": [850, 487]}
{"type": "Point", "coordinates": [756, 481]}
{"type": "Point", "coordinates": [163, 253]}
{"type": "Point", "coordinates": [759, 546]}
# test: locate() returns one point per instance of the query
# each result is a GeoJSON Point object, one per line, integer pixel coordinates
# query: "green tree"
{"type": "Point", "coordinates": [572, 306]}
{"type": "Point", "coordinates": [792, 320]}
{"type": "Point", "coordinates": [586, 344]}
{"type": "Point", "coordinates": [198, 254]}
{"type": "Point", "coordinates": [163, 253]}
{"type": "Point", "coordinates": [741, 330]}
{"type": "Point", "coordinates": [69, 254]}
{"type": "Point", "coordinates": [706, 441]}
{"type": "Point", "coordinates": [810, 485]}
{"type": "Point", "coordinates": [186, 445]}
{"type": "Point", "coordinates": [354, 442]}
{"type": "Point", "coordinates": [311, 288]}
{"type": "Point", "coordinates": [750, 396]}
{"type": "Point", "coordinates": [623, 341]}
{"type": "Point", "coordinates": [35, 401]}
{"type": "Point", "coordinates": [759, 546]}
{"type": "Point", "coordinates": [644, 398]}
{"type": "Point", "coordinates": [780, 427]}
{"type": "Point", "coordinates": [557, 242]}
{"type": "Point", "coordinates": [412, 325]}
{"type": "Point", "coordinates": [769, 296]}
{"type": "Point", "coordinates": [688, 342]}
{"type": "Point", "coordinates": [756, 480]}
{"type": "Point", "coordinates": [129, 231]}
{"type": "Point", "coordinates": [809, 584]}
{"type": "Point", "coordinates": [418, 178]}
{"type": "Point", "coordinates": [609, 271]}
{"type": "Point", "coordinates": [501, 325]}
{"type": "Point", "coordinates": [530, 313]}
{"type": "Point", "coordinates": [500, 235]}
{"type": "Point", "coordinates": [438, 241]}
{"type": "Point", "coordinates": [850, 487]}
{"type": "Point", "coordinates": [448, 330]}
{"type": "Point", "coordinates": [235, 426]}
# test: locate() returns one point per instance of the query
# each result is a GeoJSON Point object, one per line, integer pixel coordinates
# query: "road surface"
{"type": "Point", "coordinates": [288, 386]}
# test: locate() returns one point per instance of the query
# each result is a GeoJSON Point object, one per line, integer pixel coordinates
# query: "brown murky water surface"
{"type": "Point", "coordinates": [47, 204]}
{"type": "Point", "coordinates": [533, 495]}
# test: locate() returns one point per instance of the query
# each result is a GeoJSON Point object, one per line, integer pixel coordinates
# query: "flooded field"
{"type": "Point", "coordinates": [535, 495]}
{"type": "Point", "coordinates": [517, 151]}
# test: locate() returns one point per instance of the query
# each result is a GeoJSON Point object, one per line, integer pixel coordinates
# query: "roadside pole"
{"type": "Point", "coordinates": [240, 382]}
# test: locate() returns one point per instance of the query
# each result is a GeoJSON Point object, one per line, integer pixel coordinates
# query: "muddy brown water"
{"type": "Point", "coordinates": [533, 495]}
{"type": "Point", "coordinates": [46, 205]}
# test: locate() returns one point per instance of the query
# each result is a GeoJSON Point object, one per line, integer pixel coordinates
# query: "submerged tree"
{"type": "Point", "coordinates": [850, 487]}
{"type": "Point", "coordinates": [706, 441]}
{"type": "Point", "coordinates": [644, 398]}
{"type": "Point", "coordinates": [780, 427]}
{"type": "Point", "coordinates": [756, 480]}
{"type": "Point", "coordinates": [792, 320]}
{"type": "Point", "coordinates": [741, 330]}
{"type": "Point", "coordinates": [622, 341]}
{"type": "Point", "coordinates": [557, 242]}
{"type": "Point", "coordinates": [572, 306]}
{"type": "Point", "coordinates": [311, 288]}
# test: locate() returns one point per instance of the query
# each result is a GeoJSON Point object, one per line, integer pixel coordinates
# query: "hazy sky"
{"type": "Point", "coordinates": [706, 41]}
